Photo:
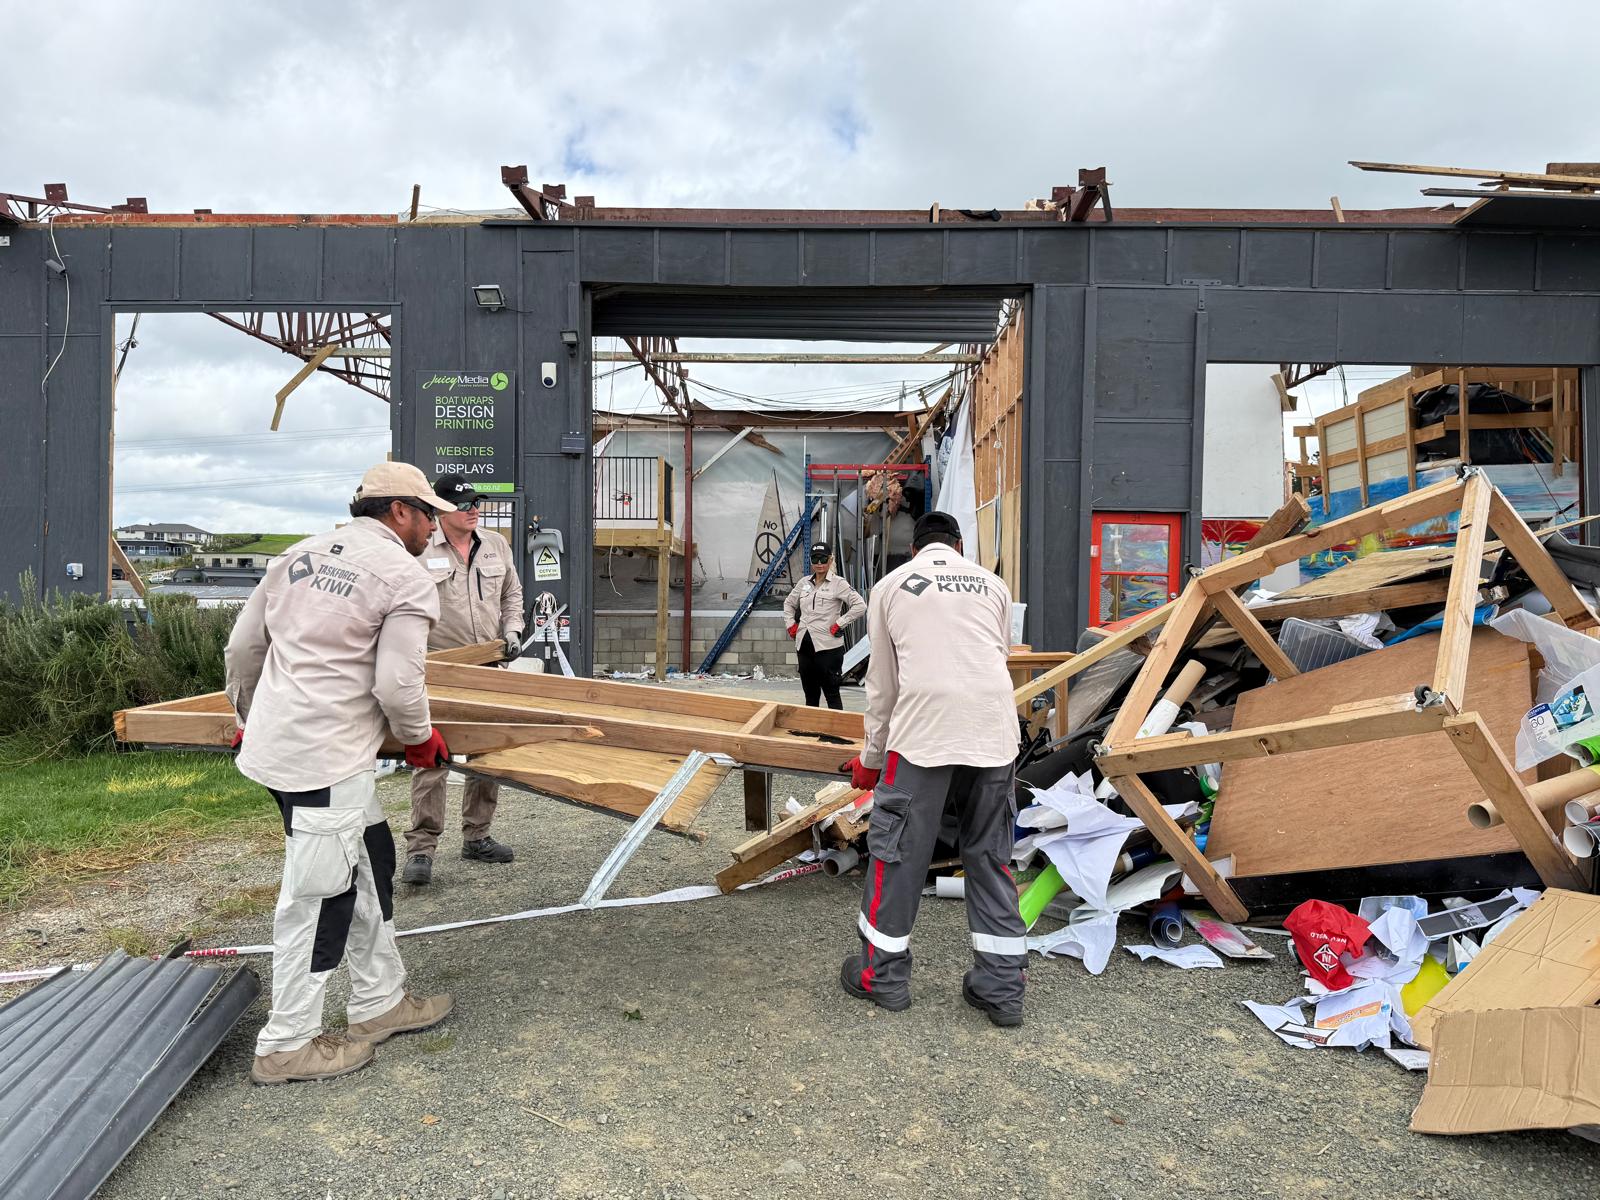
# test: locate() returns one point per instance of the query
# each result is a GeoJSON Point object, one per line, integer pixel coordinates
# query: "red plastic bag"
{"type": "Point", "coordinates": [1322, 932]}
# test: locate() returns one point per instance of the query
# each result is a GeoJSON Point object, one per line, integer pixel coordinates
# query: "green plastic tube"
{"type": "Point", "coordinates": [1040, 892]}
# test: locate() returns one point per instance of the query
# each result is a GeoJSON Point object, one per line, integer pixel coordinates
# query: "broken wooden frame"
{"type": "Point", "coordinates": [1125, 757]}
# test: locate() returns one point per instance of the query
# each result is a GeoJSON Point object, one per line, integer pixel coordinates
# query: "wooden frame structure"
{"type": "Point", "coordinates": [1376, 436]}
{"type": "Point", "coordinates": [1434, 707]}
{"type": "Point", "coordinates": [660, 540]}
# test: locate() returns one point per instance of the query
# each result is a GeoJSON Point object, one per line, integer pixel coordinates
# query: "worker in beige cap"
{"type": "Point", "coordinates": [326, 657]}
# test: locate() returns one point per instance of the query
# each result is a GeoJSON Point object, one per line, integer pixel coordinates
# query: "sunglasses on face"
{"type": "Point", "coordinates": [423, 509]}
{"type": "Point", "coordinates": [469, 505]}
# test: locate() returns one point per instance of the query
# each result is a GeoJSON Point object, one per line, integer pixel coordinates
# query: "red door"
{"type": "Point", "coordinates": [1133, 564]}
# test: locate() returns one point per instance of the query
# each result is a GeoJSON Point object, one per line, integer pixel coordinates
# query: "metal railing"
{"type": "Point", "coordinates": [633, 488]}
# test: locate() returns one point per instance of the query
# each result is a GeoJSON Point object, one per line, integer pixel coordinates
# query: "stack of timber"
{"type": "Point", "coordinates": [609, 746]}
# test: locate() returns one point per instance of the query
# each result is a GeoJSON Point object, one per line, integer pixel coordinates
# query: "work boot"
{"type": "Point", "coordinates": [1005, 1015]}
{"type": "Point", "coordinates": [850, 980]}
{"type": "Point", "coordinates": [418, 870]}
{"type": "Point", "coordinates": [409, 1014]}
{"type": "Point", "coordinates": [325, 1056]}
{"type": "Point", "coordinates": [486, 849]}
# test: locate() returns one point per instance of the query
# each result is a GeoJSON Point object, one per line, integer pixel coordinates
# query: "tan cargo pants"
{"type": "Point", "coordinates": [478, 800]}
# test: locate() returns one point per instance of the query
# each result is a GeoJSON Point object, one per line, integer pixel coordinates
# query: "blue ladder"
{"type": "Point", "coordinates": [774, 568]}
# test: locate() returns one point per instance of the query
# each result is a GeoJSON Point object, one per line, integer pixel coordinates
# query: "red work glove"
{"type": "Point", "coordinates": [238, 739]}
{"type": "Point", "coordinates": [794, 629]}
{"type": "Point", "coordinates": [834, 630]}
{"type": "Point", "coordinates": [431, 753]}
{"type": "Point", "coordinates": [863, 779]}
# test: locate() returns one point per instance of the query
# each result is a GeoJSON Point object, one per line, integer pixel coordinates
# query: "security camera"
{"type": "Point", "coordinates": [547, 374]}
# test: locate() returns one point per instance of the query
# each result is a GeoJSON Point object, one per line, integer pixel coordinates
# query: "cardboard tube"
{"type": "Point", "coordinates": [1581, 812]}
{"type": "Point", "coordinates": [1586, 751]}
{"type": "Point", "coordinates": [1039, 893]}
{"type": "Point", "coordinates": [1582, 840]}
{"type": "Point", "coordinates": [1550, 796]}
{"type": "Point", "coordinates": [1165, 710]}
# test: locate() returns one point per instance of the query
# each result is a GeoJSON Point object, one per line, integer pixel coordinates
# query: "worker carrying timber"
{"type": "Point", "coordinates": [328, 655]}
{"type": "Point", "coordinates": [480, 600]}
{"type": "Point", "coordinates": [941, 731]}
{"type": "Point", "coordinates": [820, 606]}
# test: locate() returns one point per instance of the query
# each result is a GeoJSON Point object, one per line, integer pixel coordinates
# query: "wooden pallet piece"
{"type": "Point", "coordinates": [1450, 670]}
{"type": "Point", "coordinates": [783, 843]}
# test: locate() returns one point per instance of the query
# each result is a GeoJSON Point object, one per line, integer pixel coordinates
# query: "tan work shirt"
{"type": "Point", "coordinates": [938, 691]}
{"type": "Point", "coordinates": [816, 609]}
{"type": "Point", "coordinates": [328, 651]}
{"type": "Point", "coordinates": [480, 600]}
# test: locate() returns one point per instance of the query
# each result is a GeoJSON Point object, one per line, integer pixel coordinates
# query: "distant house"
{"type": "Point", "coordinates": [252, 556]}
{"type": "Point", "coordinates": [161, 540]}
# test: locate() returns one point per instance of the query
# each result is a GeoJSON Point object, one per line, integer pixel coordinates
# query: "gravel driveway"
{"type": "Point", "coordinates": [706, 1050]}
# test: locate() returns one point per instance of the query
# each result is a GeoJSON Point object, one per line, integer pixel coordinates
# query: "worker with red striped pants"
{"type": "Point", "coordinates": [941, 732]}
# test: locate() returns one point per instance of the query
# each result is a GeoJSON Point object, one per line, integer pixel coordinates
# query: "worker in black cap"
{"type": "Point", "coordinates": [820, 606]}
{"type": "Point", "coordinates": [941, 732]}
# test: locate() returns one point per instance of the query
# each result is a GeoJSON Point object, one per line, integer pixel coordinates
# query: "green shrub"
{"type": "Point", "coordinates": [71, 662]}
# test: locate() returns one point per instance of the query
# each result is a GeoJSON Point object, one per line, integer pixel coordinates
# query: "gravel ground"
{"type": "Point", "coordinates": [706, 1050]}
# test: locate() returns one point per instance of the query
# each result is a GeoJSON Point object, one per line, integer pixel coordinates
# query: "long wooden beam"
{"type": "Point", "coordinates": [1189, 608]}
{"type": "Point", "coordinates": [1530, 554]}
{"type": "Point", "coordinates": [1516, 807]}
{"type": "Point", "coordinates": [1455, 637]}
{"type": "Point", "coordinates": [1232, 610]}
{"type": "Point", "coordinates": [1313, 733]}
{"type": "Point", "coordinates": [1177, 843]}
{"type": "Point", "coordinates": [1395, 595]}
{"type": "Point", "coordinates": [462, 737]}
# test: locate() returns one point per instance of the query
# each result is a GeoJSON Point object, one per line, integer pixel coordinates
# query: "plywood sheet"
{"type": "Point", "coordinates": [1376, 570]}
{"type": "Point", "coordinates": [605, 777]}
{"type": "Point", "coordinates": [1402, 800]}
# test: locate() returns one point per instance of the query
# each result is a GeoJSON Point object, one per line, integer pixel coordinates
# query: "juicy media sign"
{"type": "Point", "coordinates": [469, 426]}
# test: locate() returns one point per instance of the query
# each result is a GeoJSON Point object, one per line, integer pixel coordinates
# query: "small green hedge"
{"type": "Point", "coordinates": [70, 662]}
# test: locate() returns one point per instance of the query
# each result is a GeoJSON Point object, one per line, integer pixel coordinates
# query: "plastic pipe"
{"type": "Point", "coordinates": [1040, 892]}
{"type": "Point", "coordinates": [840, 862]}
{"type": "Point", "coordinates": [950, 887]}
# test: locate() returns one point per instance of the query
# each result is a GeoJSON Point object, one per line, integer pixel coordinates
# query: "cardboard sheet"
{"type": "Point", "coordinates": [1548, 956]}
{"type": "Point", "coordinates": [1536, 1068]}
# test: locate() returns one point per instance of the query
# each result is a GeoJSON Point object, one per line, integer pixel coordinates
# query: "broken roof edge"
{"type": "Point", "coordinates": [772, 218]}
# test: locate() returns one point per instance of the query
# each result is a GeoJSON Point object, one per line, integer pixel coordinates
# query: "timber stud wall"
{"type": "Point", "coordinates": [1120, 320]}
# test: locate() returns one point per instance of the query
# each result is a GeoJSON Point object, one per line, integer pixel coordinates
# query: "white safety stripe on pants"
{"type": "Point", "coordinates": [988, 943]}
{"type": "Point", "coordinates": [889, 945]}
{"type": "Point", "coordinates": [330, 848]}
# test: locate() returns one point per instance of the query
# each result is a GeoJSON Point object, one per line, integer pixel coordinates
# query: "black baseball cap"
{"type": "Point", "coordinates": [936, 526]}
{"type": "Point", "coordinates": [455, 490]}
{"type": "Point", "coordinates": [820, 552]}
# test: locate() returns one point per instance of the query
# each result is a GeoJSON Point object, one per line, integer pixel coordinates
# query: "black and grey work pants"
{"type": "Point", "coordinates": [819, 672]}
{"type": "Point", "coordinates": [908, 807]}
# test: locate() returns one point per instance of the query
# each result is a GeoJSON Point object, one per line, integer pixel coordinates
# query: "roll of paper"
{"type": "Point", "coordinates": [1166, 924]}
{"type": "Point", "coordinates": [1582, 840]}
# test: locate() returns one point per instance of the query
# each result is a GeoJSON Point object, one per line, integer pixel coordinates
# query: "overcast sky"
{"type": "Point", "coordinates": [339, 107]}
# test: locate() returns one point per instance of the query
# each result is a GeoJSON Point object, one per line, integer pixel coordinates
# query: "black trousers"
{"type": "Point", "coordinates": [819, 672]}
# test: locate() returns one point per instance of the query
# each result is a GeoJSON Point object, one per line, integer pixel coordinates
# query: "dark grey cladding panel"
{"type": "Point", "coordinates": [431, 260]}
{"type": "Point", "coordinates": [1352, 260]}
{"type": "Point", "coordinates": [357, 264]}
{"type": "Point", "coordinates": [1057, 255]}
{"type": "Point", "coordinates": [22, 480]}
{"type": "Point", "coordinates": [764, 257]}
{"type": "Point", "coordinates": [1426, 261]}
{"type": "Point", "coordinates": [837, 257]}
{"type": "Point", "coordinates": [908, 256]}
{"type": "Point", "coordinates": [1272, 326]}
{"type": "Point", "coordinates": [1055, 402]}
{"type": "Point", "coordinates": [144, 264]}
{"type": "Point", "coordinates": [286, 263]}
{"type": "Point", "coordinates": [1501, 261]}
{"type": "Point", "coordinates": [981, 256]}
{"type": "Point", "coordinates": [1533, 330]}
{"type": "Point", "coordinates": [1279, 257]}
{"type": "Point", "coordinates": [618, 255]}
{"type": "Point", "coordinates": [1130, 255]}
{"type": "Point", "coordinates": [1569, 264]}
{"type": "Point", "coordinates": [76, 451]}
{"type": "Point", "coordinates": [22, 284]}
{"type": "Point", "coordinates": [1055, 617]}
{"type": "Point", "coordinates": [1144, 358]}
{"type": "Point", "coordinates": [1208, 255]}
{"type": "Point", "coordinates": [215, 263]}
{"type": "Point", "coordinates": [1401, 327]}
{"type": "Point", "coordinates": [1142, 466]}
{"type": "Point", "coordinates": [693, 256]}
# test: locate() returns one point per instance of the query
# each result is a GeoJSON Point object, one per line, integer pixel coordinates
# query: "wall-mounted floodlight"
{"type": "Point", "coordinates": [569, 339]}
{"type": "Point", "coordinates": [489, 296]}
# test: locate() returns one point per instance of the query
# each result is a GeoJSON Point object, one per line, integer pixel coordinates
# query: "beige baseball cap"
{"type": "Point", "coordinates": [400, 481]}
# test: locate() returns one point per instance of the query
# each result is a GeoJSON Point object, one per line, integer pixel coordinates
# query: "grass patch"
{"type": "Point", "coordinates": [246, 902]}
{"type": "Point", "coordinates": [436, 1043]}
{"type": "Point", "coordinates": [267, 543]}
{"type": "Point", "coordinates": [105, 812]}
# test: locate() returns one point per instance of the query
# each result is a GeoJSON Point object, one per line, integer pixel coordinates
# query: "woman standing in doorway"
{"type": "Point", "coordinates": [819, 606]}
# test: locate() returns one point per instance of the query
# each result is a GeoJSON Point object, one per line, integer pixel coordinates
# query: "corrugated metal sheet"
{"type": "Point", "coordinates": [89, 1061]}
